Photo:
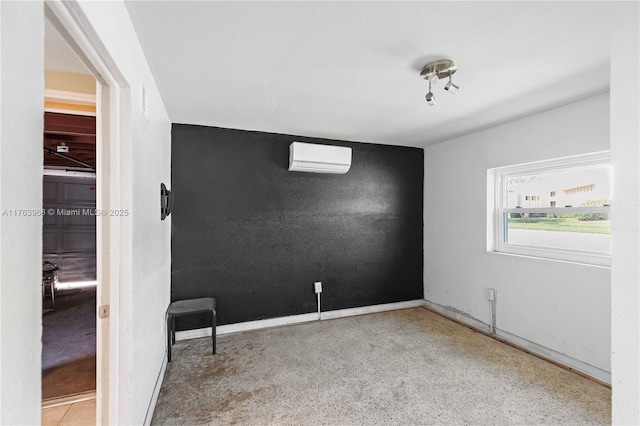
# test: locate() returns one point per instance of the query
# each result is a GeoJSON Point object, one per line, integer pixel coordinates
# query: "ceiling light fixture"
{"type": "Point", "coordinates": [434, 71]}
{"type": "Point", "coordinates": [62, 147]}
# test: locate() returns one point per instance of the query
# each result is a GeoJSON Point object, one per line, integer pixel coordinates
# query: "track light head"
{"type": "Point", "coordinates": [451, 88]}
{"type": "Point", "coordinates": [431, 100]}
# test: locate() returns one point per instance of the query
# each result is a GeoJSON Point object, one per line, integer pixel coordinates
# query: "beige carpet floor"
{"type": "Point", "coordinates": [406, 367]}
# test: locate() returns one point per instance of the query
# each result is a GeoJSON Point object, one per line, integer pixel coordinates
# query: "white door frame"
{"type": "Point", "coordinates": [113, 191]}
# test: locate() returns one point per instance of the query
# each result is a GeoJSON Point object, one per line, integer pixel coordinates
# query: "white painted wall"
{"type": "Point", "coordinates": [21, 126]}
{"type": "Point", "coordinates": [146, 295]}
{"type": "Point", "coordinates": [625, 268]}
{"type": "Point", "coordinates": [560, 306]}
{"type": "Point", "coordinates": [145, 299]}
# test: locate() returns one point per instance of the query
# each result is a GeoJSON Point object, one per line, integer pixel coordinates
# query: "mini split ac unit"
{"type": "Point", "coordinates": [314, 158]}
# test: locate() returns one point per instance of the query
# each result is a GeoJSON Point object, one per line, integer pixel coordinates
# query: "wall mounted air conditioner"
{"type": "Point", "coordinates": [309, 157]}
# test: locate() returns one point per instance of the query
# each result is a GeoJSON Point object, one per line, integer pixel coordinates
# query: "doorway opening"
{"type": "Point", "coordinates": [69, 226]}
{"type": "Point", "coordinates": [112, 190]}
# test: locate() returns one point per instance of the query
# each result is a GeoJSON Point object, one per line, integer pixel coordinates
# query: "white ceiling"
{"type": "Point", "coordinates": [350, 70]}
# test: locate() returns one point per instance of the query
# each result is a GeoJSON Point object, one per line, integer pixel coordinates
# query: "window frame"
{"type": "Point", "coordinates": [500, 177]}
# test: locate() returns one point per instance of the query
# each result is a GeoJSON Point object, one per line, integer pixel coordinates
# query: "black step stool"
{"type": "Point", "coordinates": [181, 308]}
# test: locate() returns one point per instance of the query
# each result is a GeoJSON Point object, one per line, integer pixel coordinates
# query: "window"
{"type": "Point", "coordinates": [556, 209]}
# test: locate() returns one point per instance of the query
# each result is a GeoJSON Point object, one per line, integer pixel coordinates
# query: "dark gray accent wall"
{"type": "Point", "coordinates": [256, 236]}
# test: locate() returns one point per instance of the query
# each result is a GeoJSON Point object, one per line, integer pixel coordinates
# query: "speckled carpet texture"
{"type": "Point", "coordinates": [406, 367]}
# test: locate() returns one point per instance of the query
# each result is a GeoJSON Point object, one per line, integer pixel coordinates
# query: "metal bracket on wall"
{"type": "Point", "coordinates": [166, 202]}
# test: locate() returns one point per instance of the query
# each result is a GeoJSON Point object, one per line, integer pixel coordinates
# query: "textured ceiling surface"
{"type": "Point", "coordinates": [350, 70]}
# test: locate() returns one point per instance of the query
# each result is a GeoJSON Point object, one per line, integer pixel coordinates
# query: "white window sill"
{"type": "Point", "coordinates": [547, 259]}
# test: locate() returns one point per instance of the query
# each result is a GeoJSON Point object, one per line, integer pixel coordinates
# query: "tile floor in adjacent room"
{"type": "Point", "coordinates": [73, 414]}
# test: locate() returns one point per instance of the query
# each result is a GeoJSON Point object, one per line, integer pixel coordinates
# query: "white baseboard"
{"type": "Point", "coordinates": [350, 312]}
{"type": "Point", "coordinates": [68, 399]}
{"type": "Point", "coordinates": [156, 392]}
{"type": "Point", "coordinates": [524, 344]}
{"type": "Point", "coordinates": [450, 313]}
{"type": "Point", "coordinates": [296, 319]}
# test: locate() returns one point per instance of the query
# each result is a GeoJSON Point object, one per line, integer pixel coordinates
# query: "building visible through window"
{"type": "Point", "coordinates": [555, 209]}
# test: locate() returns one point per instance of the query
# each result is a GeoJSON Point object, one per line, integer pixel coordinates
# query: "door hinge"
{"type": "Point", "coordinates": [103, 311]}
